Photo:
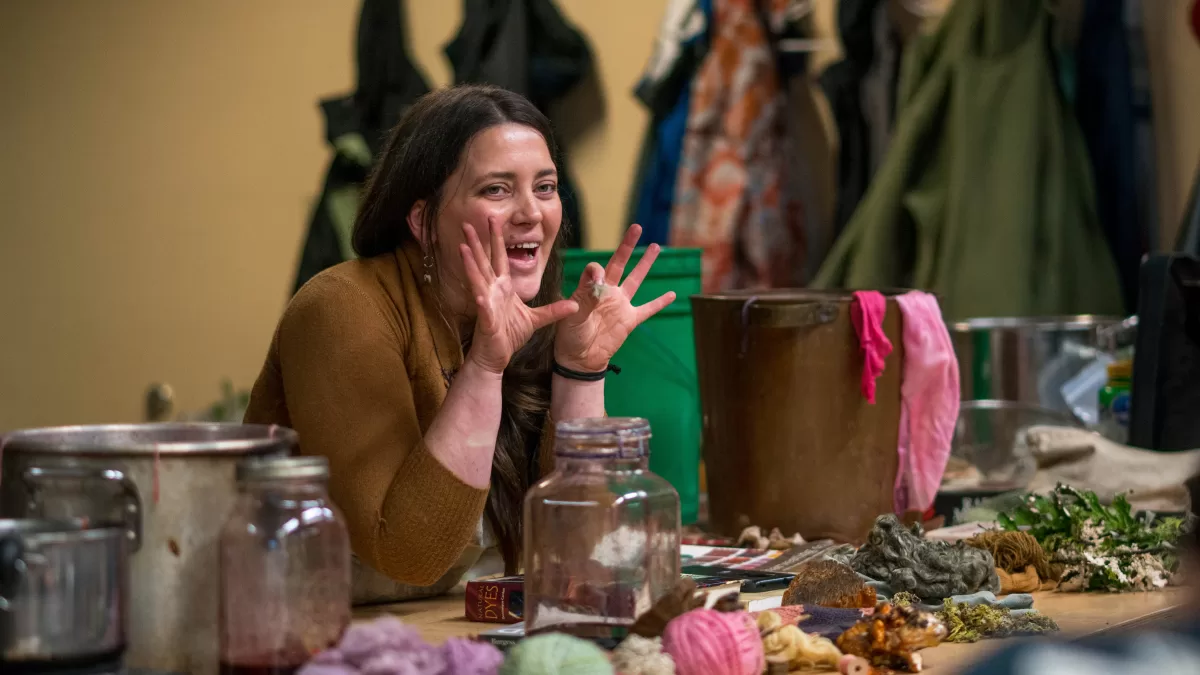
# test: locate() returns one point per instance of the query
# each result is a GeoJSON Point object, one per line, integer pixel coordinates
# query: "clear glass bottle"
{"type": "Point", "coordinates": [285, 568]}
{"type": "Point", "coordinates": [601, 532]}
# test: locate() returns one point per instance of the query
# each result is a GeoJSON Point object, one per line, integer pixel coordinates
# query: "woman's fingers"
{"type": "Point", "coordinates": [499, 252]}
{"type": "Point", "coordinates": [654, 306]}
{"type": "Point", "coordinates": [481, 259]}
{"type": "Point", "coordinates": [638, 275]}
{"type": "Point", "coordinates": [592, 276]}
{"type": "Point", "coordinates": [620, 258]}
{"type": "Point", "coordinates": [471, 266]}
{"type": "Point", "coordinates": [552, 313]}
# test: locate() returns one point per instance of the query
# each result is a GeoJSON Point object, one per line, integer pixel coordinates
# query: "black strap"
{"type": "Point", "coordinates": [582, 376]}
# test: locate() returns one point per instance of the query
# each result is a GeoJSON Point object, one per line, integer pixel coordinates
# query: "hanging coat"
{"type": "Point", "coordinates": [985, 197]}
{"type": "Point", "coordinates": [664, 89]}
{"type": "Point", "coordinates": [356, 127]}
{"type": "Point", "coordinates": [1104, 105]}
{"type": "Point", "coordinates": [843, 85]}
{"type": "Point", "coordinates": [528, 47]}
{"type": "Point", "coordinates": [729, 195]}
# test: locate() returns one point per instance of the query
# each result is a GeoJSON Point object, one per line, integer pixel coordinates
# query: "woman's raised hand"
{"type": "Point", "coordinates": [504, 322]}
{"type": "Point", "coordinates": [591, 334]}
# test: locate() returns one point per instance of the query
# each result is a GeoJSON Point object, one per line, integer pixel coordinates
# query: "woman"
{"type": "Point", "coordinates": [429, 370]}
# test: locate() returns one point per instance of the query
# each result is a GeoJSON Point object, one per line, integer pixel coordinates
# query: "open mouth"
{"type": "Point", "coordinates": [522, 252]}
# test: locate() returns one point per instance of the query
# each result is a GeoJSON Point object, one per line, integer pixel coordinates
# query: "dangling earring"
{"type": "Point", "coordinates": [427, 261]}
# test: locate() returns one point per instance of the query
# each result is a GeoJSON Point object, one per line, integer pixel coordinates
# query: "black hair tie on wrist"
{"type": "Point", "coordinates": [582, 376]}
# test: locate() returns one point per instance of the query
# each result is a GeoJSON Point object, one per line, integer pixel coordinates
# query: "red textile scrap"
{"type": "Point", "coordinates": [866, 312]}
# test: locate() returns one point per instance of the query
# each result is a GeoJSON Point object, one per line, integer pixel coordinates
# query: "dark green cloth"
{"type": "Point", "coordinates": [985, 196]}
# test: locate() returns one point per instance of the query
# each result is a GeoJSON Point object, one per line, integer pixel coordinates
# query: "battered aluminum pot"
{"type": "Point", "coordinates": [62, 594]}
{"type": "Point", "coordinates": [1027, 360]}
{"type": "Point", "coordinates": [172, 486]}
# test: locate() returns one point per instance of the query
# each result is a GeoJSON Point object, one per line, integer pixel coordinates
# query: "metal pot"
{"type": "Point", "coordinates": [62, 594]}
{"type": "Point", "coordinates": [172, 486]}
{"type": "Point", "coordinates": [1028, 360]}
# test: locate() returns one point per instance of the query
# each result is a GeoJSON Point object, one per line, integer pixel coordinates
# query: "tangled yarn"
{"type": "Point", "coordinates": [388, 647]}
{"type": "Point", "coordinates": [1014, 551]}
{"type": "Point", "coordinates": [801, 650]}
{"type": "Point", "coordinates": [708, 642]}
{"type": "Point", "coordinates": [638, 655]}
{"type": "Point", "coordinates": [556, 654]}
{"type": "Point", "coordinates": [469, 657]}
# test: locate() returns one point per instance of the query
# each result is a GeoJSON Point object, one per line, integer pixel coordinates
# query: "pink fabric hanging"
{"type": "Point", "coordinates": [866, 313]}
{"type": "Point", "coordinates": [929, 397]}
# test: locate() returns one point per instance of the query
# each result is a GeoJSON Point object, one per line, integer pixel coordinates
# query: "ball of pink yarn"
{"type": "Point", "coordinates": [708, 642]}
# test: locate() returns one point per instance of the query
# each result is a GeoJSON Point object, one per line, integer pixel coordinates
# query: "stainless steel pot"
{"type": "Point", "coordinates": [1028, 359]}
{"type": "Point", "coordinates": [62, 594]}
{"type": "Point", "coordinates": [172, 486]}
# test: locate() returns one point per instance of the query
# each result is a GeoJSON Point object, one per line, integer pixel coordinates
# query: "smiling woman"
{"type": "Point", "coordinates": [430, 370]}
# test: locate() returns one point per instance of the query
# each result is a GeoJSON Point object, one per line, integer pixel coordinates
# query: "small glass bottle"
{"type": "Point", "coordinates": [601, 532]}
{"type": "Point", "coordinates": [1114, 400]}
{"type": "Point", "coordinates": [285, 568]}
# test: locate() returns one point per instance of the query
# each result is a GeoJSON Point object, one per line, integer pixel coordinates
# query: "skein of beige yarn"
{"type": "Point", "coordinates": [802, 651]}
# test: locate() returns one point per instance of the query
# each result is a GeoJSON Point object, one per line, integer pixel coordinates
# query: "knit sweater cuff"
{"type": "Point", "coordinates": [433, 507]}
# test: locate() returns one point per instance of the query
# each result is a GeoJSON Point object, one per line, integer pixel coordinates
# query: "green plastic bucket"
{"type": "Point", "coordinates": [658, 367]}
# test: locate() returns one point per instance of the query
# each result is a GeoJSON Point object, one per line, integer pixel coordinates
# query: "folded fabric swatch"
{"type": "Point", "coordinates": [867, 310]}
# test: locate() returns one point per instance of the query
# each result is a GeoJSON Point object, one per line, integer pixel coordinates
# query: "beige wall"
{"type": "Point", "coordinates": [158, 161]}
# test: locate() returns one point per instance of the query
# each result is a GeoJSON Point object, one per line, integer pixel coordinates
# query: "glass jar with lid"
{"type": "Point", "coordinates": [601, 532]}
{"type": "Point", "coordinates": [285, 568]}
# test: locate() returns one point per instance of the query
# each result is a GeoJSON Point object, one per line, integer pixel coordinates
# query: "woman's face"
{"type": "Point", "coordinates": [506, 174]}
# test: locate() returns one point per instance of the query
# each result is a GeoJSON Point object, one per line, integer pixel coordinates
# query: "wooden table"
{"type": "Point", "coordinates": [1078, 614]}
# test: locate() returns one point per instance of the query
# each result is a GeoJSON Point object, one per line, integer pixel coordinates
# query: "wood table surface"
{"type": "Point", "coordinates": [1078, 614]}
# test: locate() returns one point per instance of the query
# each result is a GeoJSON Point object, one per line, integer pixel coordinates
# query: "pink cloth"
{"type": "Point", "coordinates": [866, 312]}
{"type": "Point", "coordinates": [929, 396]}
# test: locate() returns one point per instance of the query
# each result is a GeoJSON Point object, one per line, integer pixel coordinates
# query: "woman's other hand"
{"type": "Point", "coordinates": [504, 323]}
{"type": "Point", "coordinates": [589, 336]}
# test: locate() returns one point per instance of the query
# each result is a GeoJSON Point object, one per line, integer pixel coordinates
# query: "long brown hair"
{"type": "Point", "coordinates": [422, 152]}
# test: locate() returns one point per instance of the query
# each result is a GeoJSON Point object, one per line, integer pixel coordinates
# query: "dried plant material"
{"type": "Point", "coordinates": [891, 636]}
{"type": "Point", "coordinates": [1101, 548]}
{"type": "Point", "coordinates": [600, 289]}
{"type": "Point", "coordinates": [681, 599]}
{"type": "Point", "coordinates": [752, 537]}
{"type": "Point", "coordinates": [904, 599]}
{"type": "Point", "coordinates": [778, 542]}
{"type": "Point", "coordinates": [828, 583]}
{"type": "Point", "coordinates": [899, 557]}
{"type": "Point", "coordinates": [970, 623]}
{"type": "Point", "coordinates": [800, 650]}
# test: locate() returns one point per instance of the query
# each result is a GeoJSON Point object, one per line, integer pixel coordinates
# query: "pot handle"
{"type": "Point", "coordinates": [11, 569]}
{"type": "Point", "coordinates": [131, 507]}
{"type": "Point", "coordinates": [798, 315]}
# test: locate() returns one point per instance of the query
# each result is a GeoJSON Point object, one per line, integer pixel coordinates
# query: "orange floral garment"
{"type": "Point", "coordinates": [729, 192]}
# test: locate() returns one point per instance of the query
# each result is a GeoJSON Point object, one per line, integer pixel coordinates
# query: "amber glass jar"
{"type": "Point", "coordinates": [601, 532]}
{"type": "Point", "coordinates": [285, 568]}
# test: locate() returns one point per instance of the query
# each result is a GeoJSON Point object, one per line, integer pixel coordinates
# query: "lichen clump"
{"type": "Point", "coordinates": [899, 557]}
{"type": "Point", "coordinates": [971, 623]}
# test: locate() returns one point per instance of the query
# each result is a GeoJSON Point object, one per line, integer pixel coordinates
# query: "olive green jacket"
{"type": "Point", "coordinates": [985, 196]}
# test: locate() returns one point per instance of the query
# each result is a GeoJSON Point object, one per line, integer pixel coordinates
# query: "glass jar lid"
{"type": "Point", "coordinates": [282, 468]}
{"type": "Point", "coordinates": [603, 437]}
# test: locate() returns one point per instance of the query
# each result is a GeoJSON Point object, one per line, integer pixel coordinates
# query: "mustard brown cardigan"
{"type": "Point", "coordinates": [359, 366]}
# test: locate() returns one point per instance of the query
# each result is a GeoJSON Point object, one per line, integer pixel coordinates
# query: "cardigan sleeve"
{"type": "Point", "coordinates": [349, 396]}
